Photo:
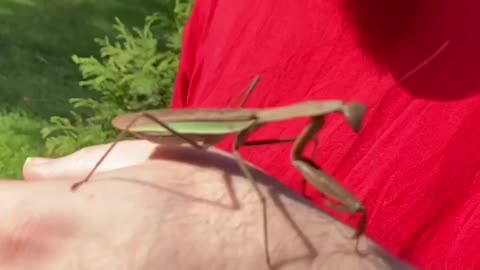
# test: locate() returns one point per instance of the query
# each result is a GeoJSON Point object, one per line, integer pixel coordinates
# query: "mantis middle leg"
{"type": "Point", "coordinates": [240, 140]}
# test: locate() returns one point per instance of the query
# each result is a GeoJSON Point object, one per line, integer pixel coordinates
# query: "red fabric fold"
{"type": "Point", "coordinates": [415, 164]}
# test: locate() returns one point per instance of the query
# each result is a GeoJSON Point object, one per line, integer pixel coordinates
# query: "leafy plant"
{"type": "Point", "coordinates": [182, 13]}
{"type": "Point", "coordinates": [133, 74]}
{"type": "Point", "coordinates": [18, 140]}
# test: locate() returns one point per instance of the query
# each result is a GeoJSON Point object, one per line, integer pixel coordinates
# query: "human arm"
{"type": "Point", "coordinates": [171, 208]}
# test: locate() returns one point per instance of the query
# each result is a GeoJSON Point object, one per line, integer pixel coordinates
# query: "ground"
{"type": "Point", "coordinates": [37, 75]}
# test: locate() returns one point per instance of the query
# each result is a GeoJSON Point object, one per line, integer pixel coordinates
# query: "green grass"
{"type": "Point", "coordinates": [37, 75]}
{"type": "Point", "coordinates": [19, 139]}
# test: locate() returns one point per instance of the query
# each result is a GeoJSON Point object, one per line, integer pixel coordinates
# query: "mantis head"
{"type": "Point", "coordinates": [354, 113]}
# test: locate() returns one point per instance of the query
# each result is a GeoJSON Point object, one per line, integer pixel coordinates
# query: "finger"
{"type": "Point", "coordinates": [79, 164]}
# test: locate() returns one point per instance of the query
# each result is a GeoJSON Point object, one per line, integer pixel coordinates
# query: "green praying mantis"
{"type": "Point", "coordinates": [202, 128]}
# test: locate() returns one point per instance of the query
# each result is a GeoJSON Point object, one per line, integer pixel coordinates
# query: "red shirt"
{"type": "Point", "coordinates": [415, 164]}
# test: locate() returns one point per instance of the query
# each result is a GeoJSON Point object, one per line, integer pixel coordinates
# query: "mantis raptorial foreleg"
{"type": "Point", "coordinates": [318, 178]}
{"type": "Point", "coordinates": [321, 180]}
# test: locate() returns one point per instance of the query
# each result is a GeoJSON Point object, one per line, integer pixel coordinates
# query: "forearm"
{"type": "Point", "coordinates": [173, 208]}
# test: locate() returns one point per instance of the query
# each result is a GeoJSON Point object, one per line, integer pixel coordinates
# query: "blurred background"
{"type": "Point", "coordinates": [67, 67]}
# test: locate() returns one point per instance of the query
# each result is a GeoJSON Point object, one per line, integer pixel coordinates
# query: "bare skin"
{"type": "Point", "coordinates": [156, 207]}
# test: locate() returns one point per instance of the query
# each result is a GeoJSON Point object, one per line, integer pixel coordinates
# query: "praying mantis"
{"type": "Point", "coordinates": [204, 127]}
{"type": "Point", "coordinates": [209, 126]}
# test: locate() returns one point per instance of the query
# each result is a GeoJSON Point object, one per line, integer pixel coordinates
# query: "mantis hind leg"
{"type": "Point", "coordinates": [123, 134]}
{"type": "Point", "coordinates": [240, 141]}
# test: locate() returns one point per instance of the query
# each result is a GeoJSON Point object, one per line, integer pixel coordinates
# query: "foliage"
{"type": "Point", "coordinates": [18, 140]}
{"type": "Point", "coordinates": [134, 73]}
{"type": "Point", "coordinates": [182, 12]}
{"type": "Point", "coordinates": [37, 75]}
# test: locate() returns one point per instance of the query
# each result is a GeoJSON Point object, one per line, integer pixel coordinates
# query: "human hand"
{"type": "Point", "coordinates": [155, 207]}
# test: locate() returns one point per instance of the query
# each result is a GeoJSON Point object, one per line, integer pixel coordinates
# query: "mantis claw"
{"type": "Point", "coordinates": [328, 186]}
{"type": "Point", "coordinates": [76, 185]}
{"type": "Point", "coordinates": [345, 209]}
